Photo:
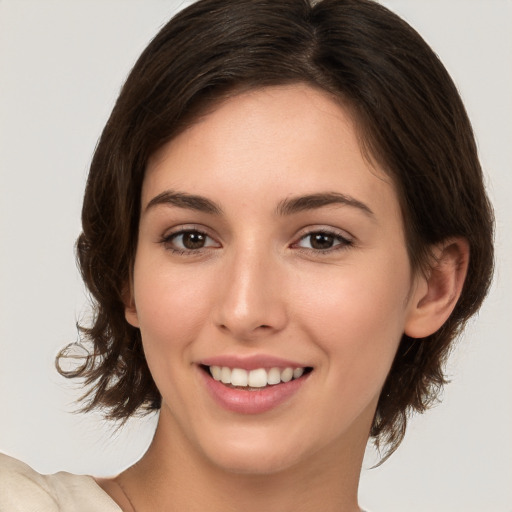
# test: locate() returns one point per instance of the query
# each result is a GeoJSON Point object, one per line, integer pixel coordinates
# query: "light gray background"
{"type": "Point", "coordinates": [61, 65]}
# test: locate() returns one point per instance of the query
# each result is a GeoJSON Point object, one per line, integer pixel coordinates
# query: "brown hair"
{"type": "Point", "coordinates": [411, 121]}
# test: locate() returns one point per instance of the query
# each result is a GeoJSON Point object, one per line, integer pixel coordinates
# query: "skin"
{"type": "Point", "coordinates": [259, 285]}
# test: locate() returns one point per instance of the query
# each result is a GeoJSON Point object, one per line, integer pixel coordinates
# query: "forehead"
{"type": "Point", "coordinates": [295, 137]}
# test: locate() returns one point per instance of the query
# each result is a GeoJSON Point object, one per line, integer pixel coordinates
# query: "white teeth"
{"type": "Point", "coordinates": [239, 377]}
{"type": "Point", "coordinates": [287, 375]}
{"type": "Point", "coordinates": [216, 372]}
{"type": "Point", "coordinates": [257, 378]}
{"type": "Point", "coordinates": [298, 372]}
{"type": "Point", "coordinates": [274, 376]}
{"type": "Point", "coordinates": [225, 375]}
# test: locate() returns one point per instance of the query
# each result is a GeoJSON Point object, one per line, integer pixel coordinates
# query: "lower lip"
{"type": "Point", "coordinates": [252, 402]}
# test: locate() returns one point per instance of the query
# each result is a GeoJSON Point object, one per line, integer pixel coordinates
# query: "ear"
{"type": "Point", "coordinates": [130, 310]}
{"type": "Point", "coordinates": [438, 291]}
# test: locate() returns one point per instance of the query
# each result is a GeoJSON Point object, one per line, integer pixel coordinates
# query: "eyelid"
{"type": "Point", "coordinates": [170, 234]}
{"type": "Point", "coordinates": [345, 238]}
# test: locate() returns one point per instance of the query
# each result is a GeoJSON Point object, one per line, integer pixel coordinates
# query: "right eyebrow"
{"type": "Point", "coordinates": [184, 200]}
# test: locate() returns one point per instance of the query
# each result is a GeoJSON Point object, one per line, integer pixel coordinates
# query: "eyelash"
{"type": "Point", "coordinates": [340, 242]}
{"type": "Point", "coordinates": [167, 241]}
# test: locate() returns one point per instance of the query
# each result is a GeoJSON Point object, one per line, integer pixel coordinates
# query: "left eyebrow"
{"type": "Point", "coordinates": [313, 201]}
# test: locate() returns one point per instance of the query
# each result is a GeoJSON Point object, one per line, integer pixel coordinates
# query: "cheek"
{"type": "Point", "coordinates": [171, 308]}
{"type": "Point", "coordinates": [357, 319]}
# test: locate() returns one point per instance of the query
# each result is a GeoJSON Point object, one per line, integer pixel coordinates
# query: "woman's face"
{"type": "Point", "coordinates": [268, 244]}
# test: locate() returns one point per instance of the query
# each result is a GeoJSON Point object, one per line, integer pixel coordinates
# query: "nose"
{"type": "Point", "coordinates": [251, 297]}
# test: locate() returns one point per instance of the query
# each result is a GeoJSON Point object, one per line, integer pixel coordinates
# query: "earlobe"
{"type": "Point", "coordinates": [130, 310]}
{"type": "Point", "coordinates": [437, 294]}
{"type": "Point", "coordinates": [130, 313]}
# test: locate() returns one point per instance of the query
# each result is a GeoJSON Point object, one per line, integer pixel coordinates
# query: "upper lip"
{"type": "Point", "coordinates": [251, 362]}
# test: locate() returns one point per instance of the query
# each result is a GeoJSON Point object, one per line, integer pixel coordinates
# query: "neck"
{"type": "Point", "coordinates": [174, 476]}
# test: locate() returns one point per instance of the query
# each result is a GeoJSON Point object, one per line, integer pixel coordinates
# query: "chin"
{"type": "Point", "coordinates": [258, 463]}
{"type": "Point", "coordinates": [255, 453]}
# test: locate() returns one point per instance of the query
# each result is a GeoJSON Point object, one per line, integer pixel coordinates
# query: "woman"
{"type": "Point", "coordinates": [284, 229]}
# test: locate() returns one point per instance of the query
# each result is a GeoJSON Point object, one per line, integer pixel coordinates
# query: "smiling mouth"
{"type": "Point", "coordinates": [254, 380]}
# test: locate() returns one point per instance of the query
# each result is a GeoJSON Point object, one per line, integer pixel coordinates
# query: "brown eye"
{"type": "Point", "coordinates": [193, 240]}
{"type": "Point", "coordinates": [189, 240]}
{"type": "Point", "coordinates": [323, 241]}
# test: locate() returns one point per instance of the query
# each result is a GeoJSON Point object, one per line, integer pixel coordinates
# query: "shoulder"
{"type": "Point", "coordinates": [21, 488]}
{"type": "Point", "coordinates": [24, 490]}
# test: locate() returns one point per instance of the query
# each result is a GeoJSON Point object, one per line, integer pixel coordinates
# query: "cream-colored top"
{"type": "Point", "coordinates": [24, 490]}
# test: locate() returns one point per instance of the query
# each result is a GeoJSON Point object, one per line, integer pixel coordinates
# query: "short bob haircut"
{"type": "Point", "coordinates": [410, 120]}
